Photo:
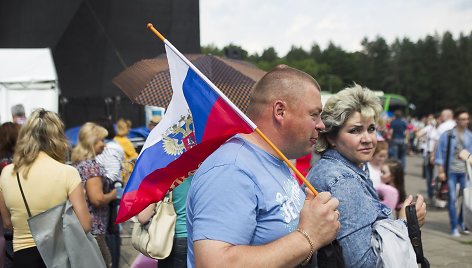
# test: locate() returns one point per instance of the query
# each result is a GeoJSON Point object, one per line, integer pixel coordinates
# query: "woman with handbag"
{"type": "Point", "coordinates": [90, 144]}
{"type": "Point", "coordinates": [38, 166]}
{"type": "Point", "coordinates": [347, 144]}
{"type": "Point", "coordinates": [178, 254]}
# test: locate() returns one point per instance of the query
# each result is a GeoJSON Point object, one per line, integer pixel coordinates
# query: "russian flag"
{"type": "Point", "coordinates": [198, 120]}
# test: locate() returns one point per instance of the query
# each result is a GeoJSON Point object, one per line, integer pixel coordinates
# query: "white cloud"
{"type": "Point", "coordinates": [259, 24]}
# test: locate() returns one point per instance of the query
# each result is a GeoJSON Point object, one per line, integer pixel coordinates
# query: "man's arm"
{"type": "Point", "coordinates": [318, 219]}
{"type": "Point", "coordinates": [438, 160]}
{"type": "Point", "coordinates": [465, 155]}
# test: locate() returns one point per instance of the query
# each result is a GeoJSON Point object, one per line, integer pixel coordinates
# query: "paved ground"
{"type": "Point", "coordinates": [439, 247]}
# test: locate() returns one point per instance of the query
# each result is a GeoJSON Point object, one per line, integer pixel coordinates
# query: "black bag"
{"type": "Point", "coordinates": [414, 233]}
{"type": "Point", "coordinates": [107, 185]}
{"type": "Point", "coordinates": [331, 256]}
{"type": "Point", "coordinates": [442, 191]}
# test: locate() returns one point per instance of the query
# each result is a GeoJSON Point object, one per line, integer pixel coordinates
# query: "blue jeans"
{"type": "Point", "coordinates": [397, 150]}
{"type": "Point", "coordinates": [452, 181]}
{"type": "Point", "coordinates": [178, 255]}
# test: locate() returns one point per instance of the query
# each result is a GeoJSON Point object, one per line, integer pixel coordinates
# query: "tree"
{"type": "Point", "coordinates": [404, 69]}
{"type": "Point", "coordinates": [378, 64]}
{"type": "Point", "coordinates": [269, 55]}
{"type": "Point", "coordinates": [450, 62]}
{"type": "Point", "coordinates": [427, 75]}
{"type": "Point", "coordinates": [342, 65]}
{"type": "Point", "coordinates": [465, 50]}
{"type": "Point", "coordinates": [296, 54]}
{"type": "Point", "coordinates": [212, 49]}
{"type": "Point", "coordinates": [433, 73]}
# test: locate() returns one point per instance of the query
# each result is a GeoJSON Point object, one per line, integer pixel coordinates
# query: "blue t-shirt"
{"type": "Point", "coordinates": [398, 127]}
{"type": "Point", "coordinates": [242, 195]}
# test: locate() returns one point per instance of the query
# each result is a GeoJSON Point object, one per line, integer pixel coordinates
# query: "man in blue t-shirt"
{"type": "Point", "coordinates": [244, 207]}
{"type": "Point", "coordinates": [398, 133]}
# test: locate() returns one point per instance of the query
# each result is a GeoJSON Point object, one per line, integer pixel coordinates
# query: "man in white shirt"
{"type": "Point", "coordinates": [448, 121]}
{"type": "Point", "coordinates": [430, 137]}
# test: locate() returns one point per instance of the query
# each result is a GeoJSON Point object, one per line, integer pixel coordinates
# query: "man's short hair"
{"type": "Point", "coordinates": [398, 113]}
{"type": "Point", "coordinates": [18, 110]}
{"type": "Point", "coordinates": [281, 82]}
{"type": "Point", "coordinates": [460, 110]}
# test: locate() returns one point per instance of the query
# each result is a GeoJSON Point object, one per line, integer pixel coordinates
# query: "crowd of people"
{"type": "Point", "coordinates": [244, 206]}
{"type": "Point", "coordinates": [36, 157]}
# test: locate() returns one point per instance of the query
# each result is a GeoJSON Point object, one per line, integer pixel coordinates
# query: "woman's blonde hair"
{"type": "Point", "coordinates": [339, 108]}
{"type": "Point", "coordinates": [89, 135]}
{"type": "Point", "coordinates": [42, 131]}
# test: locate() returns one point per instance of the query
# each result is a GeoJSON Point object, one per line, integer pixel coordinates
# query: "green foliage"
{"type": "Point", "coordinates": [269, 55]}
{"type": "Point", "coordinates": [211, 49]}
{"type": "Point", "coordinates": [434, 72]}
{"type": "Point", "coordinates": [296, 54]}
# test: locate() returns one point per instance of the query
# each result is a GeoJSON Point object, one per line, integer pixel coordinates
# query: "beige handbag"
{"type": "Point", "coordinates": [155, 238]}
{"type": "Point", "coordinates": [467, 199]}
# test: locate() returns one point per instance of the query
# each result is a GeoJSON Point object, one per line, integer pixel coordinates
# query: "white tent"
{"type": "Point", "coordinates": [28, 77]}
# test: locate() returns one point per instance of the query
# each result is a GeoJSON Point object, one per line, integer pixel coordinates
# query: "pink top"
{"type": "Point", "coordinates": [388, 195]}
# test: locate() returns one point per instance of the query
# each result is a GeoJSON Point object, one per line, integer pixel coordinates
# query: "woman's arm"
{"type": "Point", "coordinates": [358, 211]}
{"type": "Point", "coordinates": [145, 215]}
{"type": "Point", "coordinates": [5, 213]}
{"type": "Point", "coordinates": [77, 199]}
{"type": "Point", "coordinates": [94, 191]}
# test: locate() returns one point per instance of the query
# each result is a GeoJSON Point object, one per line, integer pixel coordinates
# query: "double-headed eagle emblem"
{"type": "Point", "coordinates": [180, 137]}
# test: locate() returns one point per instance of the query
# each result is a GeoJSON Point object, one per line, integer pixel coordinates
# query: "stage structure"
{"type": "Point", "coordinates": [93, 41]}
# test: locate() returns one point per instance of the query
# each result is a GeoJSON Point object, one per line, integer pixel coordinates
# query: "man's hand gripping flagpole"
{"type": "Point", "coordinates": [241, 114]}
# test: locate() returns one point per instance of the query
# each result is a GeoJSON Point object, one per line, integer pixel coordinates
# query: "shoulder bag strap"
{"type": "Point", "coordinates": [23, 195]}
{"type": "Point", "coordinates": [448, 151]}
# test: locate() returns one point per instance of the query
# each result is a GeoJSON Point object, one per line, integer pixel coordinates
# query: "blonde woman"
{"type": "Point", "coordinates": [38, 160]}
{"type": "Point", "coordinates": [90, 144]}
{"type": "Point", "coordinates": [346, 145]}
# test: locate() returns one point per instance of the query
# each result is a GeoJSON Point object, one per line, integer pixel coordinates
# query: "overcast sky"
{"type": "Point", "coordinates": [259, 24]}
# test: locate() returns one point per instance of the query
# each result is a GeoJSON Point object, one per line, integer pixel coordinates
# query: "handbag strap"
{"type": "Point", "coordinates": [23, 194]}
{"type": "Point", "coordinates": [448, 151]}
{"type": "Point", "coordinates": [167, 198]}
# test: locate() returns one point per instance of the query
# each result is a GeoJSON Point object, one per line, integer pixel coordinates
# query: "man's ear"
{"type": "Point", "coordinates": [279, 109]}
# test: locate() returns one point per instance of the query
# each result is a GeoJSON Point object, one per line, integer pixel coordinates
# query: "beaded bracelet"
{"type": "Point", "coordinates": [312, 250]}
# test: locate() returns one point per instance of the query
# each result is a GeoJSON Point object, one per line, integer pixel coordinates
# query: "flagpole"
{"type": "Point", "coordinates": [241, 114]}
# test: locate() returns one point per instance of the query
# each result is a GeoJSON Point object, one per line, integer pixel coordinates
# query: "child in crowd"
{"type": "Point", "coordinates": [394, 176]}
{"type": "Point", "coordinates": [388, 194]}
{"type": "Point", "coordinates": [375, 165]}
{"type": "Point", "coordinates": [122, 129]}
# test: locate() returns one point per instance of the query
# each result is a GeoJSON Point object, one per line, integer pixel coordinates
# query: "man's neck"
{"type": "Point", "coordinates": [258, 141]}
